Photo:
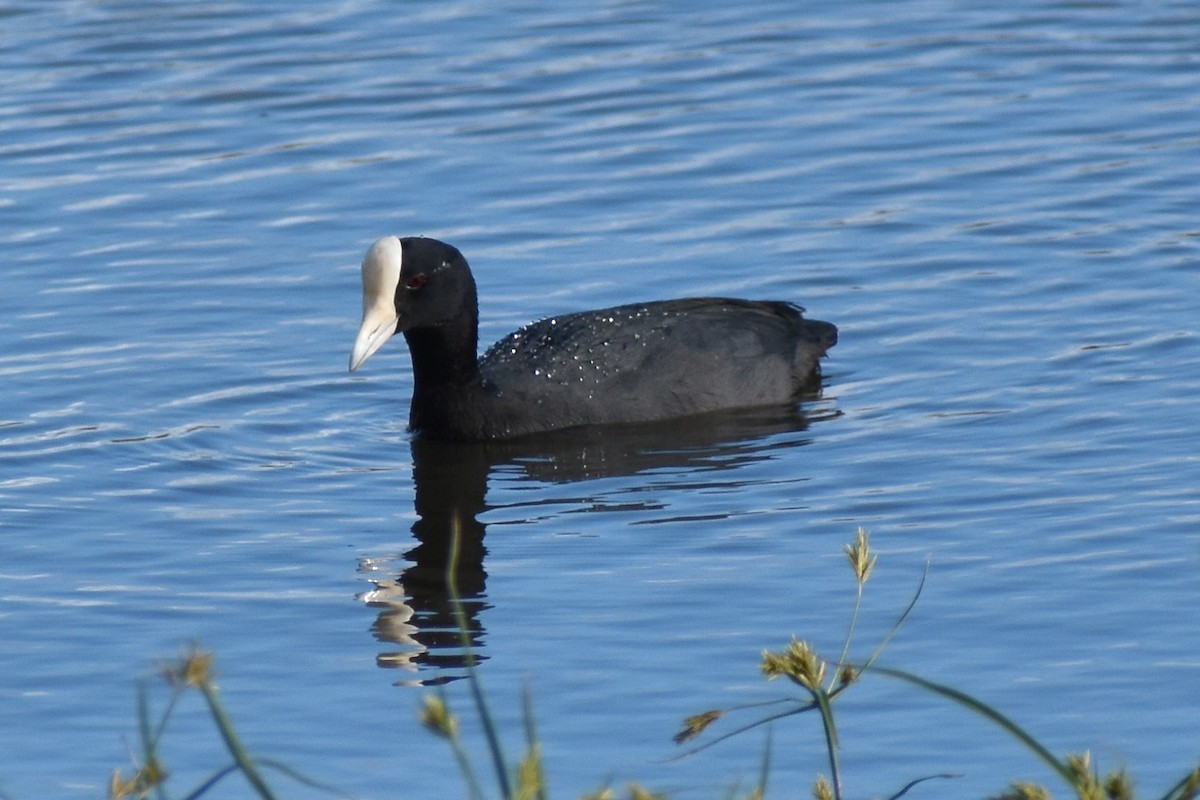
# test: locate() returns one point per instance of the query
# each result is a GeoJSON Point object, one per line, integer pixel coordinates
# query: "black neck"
{"type": "Point", "coordinates": [442, 357]}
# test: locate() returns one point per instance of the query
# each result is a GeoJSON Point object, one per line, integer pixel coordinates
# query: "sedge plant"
{"type": "Point", "coordinates": [192, 672]}
{"type": "Point", "coordinates": [822, 682]}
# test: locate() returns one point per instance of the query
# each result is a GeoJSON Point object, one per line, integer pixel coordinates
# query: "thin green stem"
{"type": "Point", "coordinates": [1186, 788]}
{"type": "Point", "coordinates": [499, 763]}
{"type": "Point", "coordinates": [464, 766]}
{"type": "Point", "coordinates": [150, 737]}
{"type": "Point", "coordinates": [210, 782]}
{"type": "Point", "coordinates": [916, 782]}
{"type": "Point", "coordinates": [831, 740]}
{"type": "Point", "coordinates": [748, 726]}
{"type": "Point", "coordinates": [531, 737]}
{"type": "Point", "coordinates": [899, 621]}
{"type": "Point", "coordinates": [845, 656]}
{"type": "Point", "coordinates": [156, 735]}
{"type": "Point", "coordinates": [764, 769]}
{"type": "Point", "coordinates": [233, 744]}
{"type": "Point", "coordinates": [464, 761]}
{"type": "Point", "coordinates": [303, 779]}
{"type": "Point", "coordinates": [986, 711]}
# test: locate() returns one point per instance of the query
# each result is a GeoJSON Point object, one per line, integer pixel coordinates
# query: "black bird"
{"type": "Point", "coordinates": [630, 363]}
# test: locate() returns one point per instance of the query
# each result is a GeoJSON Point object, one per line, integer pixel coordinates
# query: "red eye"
{"type": "Point", "coordinates": [416, 281]}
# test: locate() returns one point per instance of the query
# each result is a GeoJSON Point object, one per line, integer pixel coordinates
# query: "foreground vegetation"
{"type": "Point", "coordinates": [820, 682]}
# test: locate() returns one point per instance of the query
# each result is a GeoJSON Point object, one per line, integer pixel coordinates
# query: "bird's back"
{"type": "Point", "coordinates": [650, 361]}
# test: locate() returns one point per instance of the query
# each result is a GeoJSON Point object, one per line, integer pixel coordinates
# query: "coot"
{"type": "Point", "coordinates": [631, 363]}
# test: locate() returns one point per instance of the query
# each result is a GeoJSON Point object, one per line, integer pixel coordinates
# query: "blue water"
{"type": "Point", "coordinates": [996, 206]}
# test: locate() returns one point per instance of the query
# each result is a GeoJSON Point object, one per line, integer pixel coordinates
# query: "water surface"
{"type": "Point", "coordinates": [997, 208]}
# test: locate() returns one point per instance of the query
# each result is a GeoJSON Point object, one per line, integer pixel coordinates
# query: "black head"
{"type": "Point", "coordinates": [412, 284]}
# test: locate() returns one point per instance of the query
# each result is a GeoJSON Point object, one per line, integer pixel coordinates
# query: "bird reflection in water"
{"type": "Point", "coordinates": [450, 483]}
{"type": "Point", "coordinates": [417, 607]}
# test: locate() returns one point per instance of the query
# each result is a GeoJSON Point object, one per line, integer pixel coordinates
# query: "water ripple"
{"type": "Point", "coordinates": [996, 205]}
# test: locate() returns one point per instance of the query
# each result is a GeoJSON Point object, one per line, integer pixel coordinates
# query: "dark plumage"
{"type": "Point", "coordinates": [631, 363]}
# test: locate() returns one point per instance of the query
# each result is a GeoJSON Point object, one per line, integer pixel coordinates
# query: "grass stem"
{"type": "Point", "coordinates": [491, 733]}
{"type": "Point", "coordinates": [233, 743]}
